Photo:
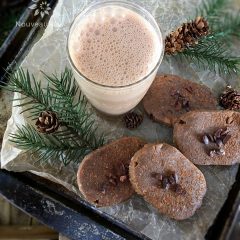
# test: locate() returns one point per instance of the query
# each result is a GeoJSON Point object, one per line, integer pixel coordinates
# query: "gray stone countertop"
{"type": "Point", "coordinates": [5, 110]}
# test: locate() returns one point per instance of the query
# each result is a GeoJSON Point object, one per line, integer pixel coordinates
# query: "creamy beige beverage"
{"type": "Point", "coordinates": [114, 51]}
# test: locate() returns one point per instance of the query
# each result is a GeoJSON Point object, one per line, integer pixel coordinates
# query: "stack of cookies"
{"type": "Point", "coordinates": [165, 176]}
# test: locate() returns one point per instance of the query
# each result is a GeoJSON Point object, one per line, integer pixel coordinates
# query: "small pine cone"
{"type": "Point", "coordinates": [201, 27]}
{"type": "Point", "coordinates": [230, 99]}
{"type": "Point", "coordinates": [47, 122]}
{"type": "Point", "coordinates": [132, 120]}
{"type": "Point", "coordinates": [186, 35]}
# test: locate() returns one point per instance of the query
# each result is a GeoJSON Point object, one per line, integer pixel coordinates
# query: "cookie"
{"type": "Point", "coordinates": [170, 96]}
{"type": "Point", "coordinates": [167, 180]}
{"type": "Point", "coordinates": [209, 137]}
{"type": "Point", "coordinates": [103, 174]}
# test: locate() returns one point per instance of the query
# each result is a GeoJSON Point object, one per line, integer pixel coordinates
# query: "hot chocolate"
{"type": "Point", "coordinates": [114, 46]}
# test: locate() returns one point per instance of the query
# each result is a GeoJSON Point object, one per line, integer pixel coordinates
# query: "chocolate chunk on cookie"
{"type": "Point", "coordinates": [209, 137]}
{"type": "Point", "coordinates": [103, 174]}
{"type": "Point", "coordinates": [167, 180]}
{"type": "Point", "coordinates": [170, 96]}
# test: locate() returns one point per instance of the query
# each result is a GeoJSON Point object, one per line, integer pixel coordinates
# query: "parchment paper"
{"type": "Point", "coordinates": [49, 55]}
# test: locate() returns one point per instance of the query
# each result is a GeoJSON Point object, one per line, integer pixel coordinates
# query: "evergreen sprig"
{"type": "Point", "coordinates": [223, 23]}
{"type": "Point", "coordinates": [62, 96]}
{"type": "Point", "coordinates": [33, 98]}
{"type": "Point", "coordinates": [228, 26]}
{"type": "Point", "coordinates": [48, 147]}
{"type": "Point", "coordinates": [209, 54]}
{"type": "Point", "coordinates": [75, 115]}
{"type": "Point", "coordinates": [211, 8]}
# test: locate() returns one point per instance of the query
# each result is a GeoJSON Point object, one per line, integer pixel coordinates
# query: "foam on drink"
{"type": "Point", "coordinates": [114, 46]}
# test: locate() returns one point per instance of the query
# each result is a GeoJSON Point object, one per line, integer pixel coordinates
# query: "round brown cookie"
{"type": "Point", "coordinates": [167, 180]}
{"type": "Point", "coordinates": [170, 96]}
{"type": "Point", "coordinates": [103, 174]}
{"type": "Point", "coordinates": [209, 137]}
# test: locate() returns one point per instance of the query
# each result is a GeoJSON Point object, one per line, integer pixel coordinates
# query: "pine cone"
{"type": "Point", "coordinates": [230, 99]}
{"type": "Point", "coordinates": [132, 120]}
{"type": "Point", "coordinates": [185, 36]}
{"type": "Point", "coordinates": [47, 122]}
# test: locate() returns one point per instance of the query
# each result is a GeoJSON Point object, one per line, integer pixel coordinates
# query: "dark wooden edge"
{"type": "Point", "coordinates": [224, 223]}
{"type": "Point", "coordinates": [73, 218]}
{"type": "Point", "coordinates": [19, 39]}
{"type": "Point", "coordinates": [231, 229]}
{"type": "Point", "coordinates": [34, 189]}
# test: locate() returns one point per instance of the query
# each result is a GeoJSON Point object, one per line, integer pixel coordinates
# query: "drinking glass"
{"type": "Point", "coordinates": [115, 100]}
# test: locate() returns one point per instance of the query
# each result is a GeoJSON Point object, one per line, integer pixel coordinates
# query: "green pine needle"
{"type": "Point", "coordinates": [226, 27]}
{"type": "Point", "coordinates": [212, 61]}
{"type": "Point", "coordinates": [77, 136]}
{"type": "Point", "coordinates": [211, 55]}
{"type": "Point", "coordinates": [211, 51]}
{"type": "Point", "coordinates": [211, 8]}
{"type": "Point", "coordinates": [32, 94]}
{"type": "Point", "coordinates": [48, 146]}
{"type": "Point", "coordinates": [74, 115]}
{"type": "Point", "coordinates": [223, 24]}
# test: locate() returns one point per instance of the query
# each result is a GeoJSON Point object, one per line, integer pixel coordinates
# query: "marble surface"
{"type": "Point", "coordinates": [5, 111]}
{"type": "Point", "coordinates": [136, 213]}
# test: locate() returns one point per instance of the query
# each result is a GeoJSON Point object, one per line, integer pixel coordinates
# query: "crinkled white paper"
{"type": "Point", "coordinates": [49, 55]}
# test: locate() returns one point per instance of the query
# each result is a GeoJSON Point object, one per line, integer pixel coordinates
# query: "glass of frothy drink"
{"type": "Point", "coordinates": [115, 49]}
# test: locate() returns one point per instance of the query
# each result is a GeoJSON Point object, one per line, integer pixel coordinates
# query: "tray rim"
{"type": "Point", "coordinates": [222, 225]}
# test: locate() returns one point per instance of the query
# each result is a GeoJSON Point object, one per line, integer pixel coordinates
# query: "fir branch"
{"type": "Point", "coordinates": [32, 95]}
{"type": "Point", "coordinates": [75, 115]}
{"type": "Point", "coordinates": [211, 8]}
{"type": "Point", "coordinates": [210, 54]}
{"type": "Point", "coordinates": [48, 146]}
{"type": "Point", "coordinates": [77, 126]}
{"type": "Point", "coordinates": [226, 27]}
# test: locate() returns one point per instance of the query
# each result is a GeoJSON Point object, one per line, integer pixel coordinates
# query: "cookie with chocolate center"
{"type": "Point", "coordinates": [171, 96]}
{"type": "Point", "coordinates": [167, 180]}
{"type": "Point", "coordinates": [209, 137]}
{"type": "Point", "coordinates": [103, 176]}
